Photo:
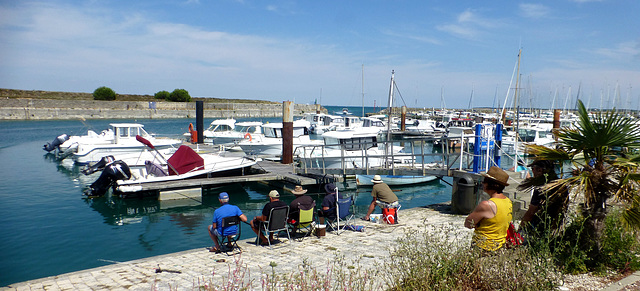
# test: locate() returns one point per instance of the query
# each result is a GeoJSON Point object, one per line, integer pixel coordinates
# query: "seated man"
{"type": "Point", "coordinates": [382, 195]}
{"type": "Point", "coordinates": [302, 201]}
{"type": "Point", "coordinates": [329, 203]}
{"type": "Point", "coordinates": [256, 223]}
{"type": "Point", "coordinates": [215, 229]}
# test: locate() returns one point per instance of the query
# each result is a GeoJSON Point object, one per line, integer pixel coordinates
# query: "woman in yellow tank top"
{"type": "Point", "coordinates": [491, 218]}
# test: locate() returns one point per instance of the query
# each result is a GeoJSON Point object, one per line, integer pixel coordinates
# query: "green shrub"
{"type": "Point", "coordinates": [621, 247]}
{"type": "Point", "coordinates": [570, 252]}
{"type": "Point", "coordinates": [162, 95]}
{"type": "Point", "coordinates": [104, 93]}
{"type": "Point", "coordinates": [179, 95]}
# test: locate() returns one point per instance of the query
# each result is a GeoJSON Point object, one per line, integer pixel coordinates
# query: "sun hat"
{"type": "Point", "coordinates": [376, 179]}
{"type": "Point", "coordinates": [223, 196]}
{"type": "Point", "coordinates": [298, 190]}
{"type": "Point", "coordinates": [497, 175]}
{"type": "Point", "coordinates": [330, 188]}
{"type": "Point", "coordinates": [274, 194]}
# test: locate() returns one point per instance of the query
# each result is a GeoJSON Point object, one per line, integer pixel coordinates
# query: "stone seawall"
{"type": "Point", "coordinates": [43, 109]}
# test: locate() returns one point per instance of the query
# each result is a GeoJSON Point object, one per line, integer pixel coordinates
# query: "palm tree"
{"type": "Point", "coordinates": [603, 152]}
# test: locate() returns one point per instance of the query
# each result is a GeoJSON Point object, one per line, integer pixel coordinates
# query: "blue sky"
{"type": "Point", "coordinates": [300, 51]}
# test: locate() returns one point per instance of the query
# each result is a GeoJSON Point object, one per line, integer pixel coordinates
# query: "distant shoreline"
{"type": "Point", "coordinates": [48, 105]}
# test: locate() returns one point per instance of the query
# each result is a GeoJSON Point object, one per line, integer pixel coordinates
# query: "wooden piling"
{"type": "Point", "coordinates": [287, 132]}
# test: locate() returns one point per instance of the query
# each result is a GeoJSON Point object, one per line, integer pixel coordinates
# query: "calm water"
{"type": "Point", "coordinates": [50, 229]}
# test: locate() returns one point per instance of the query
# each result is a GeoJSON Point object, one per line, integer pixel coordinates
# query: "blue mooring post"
{"type": "Point", "coordinates": [477, 148]}
{"type": "Point", "coordinates": [497, 152]}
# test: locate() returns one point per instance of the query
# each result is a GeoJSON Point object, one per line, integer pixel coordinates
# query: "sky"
{"type": "Point", "coordinates": [454, 54]}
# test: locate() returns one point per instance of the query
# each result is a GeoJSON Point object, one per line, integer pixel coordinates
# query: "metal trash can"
{"type": "Point", "coordinates": [463, 196]}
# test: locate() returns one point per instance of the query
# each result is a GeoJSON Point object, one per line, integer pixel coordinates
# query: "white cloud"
{"type": "Point", "coordinates": [533, 10]}
{"type": "Point", "coordinates": [469, 25]}
{"type": "Point", "coordinates": [623, 51]}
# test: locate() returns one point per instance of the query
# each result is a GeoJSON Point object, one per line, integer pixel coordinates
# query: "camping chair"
{"type": "Point", "coordinates": [230, 239]}
{"type": "Point", "coordinates": [344, 214]}
{"type": "Point", "coordinates": [305, 222]}
{"type": "Point", "coordinates": [277, 223]}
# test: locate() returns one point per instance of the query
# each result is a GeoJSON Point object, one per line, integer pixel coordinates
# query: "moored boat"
{"type": "Point", "coordinates": [394, 180]}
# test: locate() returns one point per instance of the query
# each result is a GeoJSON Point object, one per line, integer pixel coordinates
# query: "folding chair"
{"type": "Point", "coordinates": [344, 214]}
{"type": "Point", "coordinates": [232, 240]}
{"type": "Point", "coordinates": [305, 222]}
{"type": "Point", "coordinates": [277, 223]}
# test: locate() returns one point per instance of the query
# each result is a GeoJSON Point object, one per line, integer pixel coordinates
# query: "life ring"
{"type": "Point", "coordinates": [247, 135]}
{"type": "Point", "coordinates": [194, 133]}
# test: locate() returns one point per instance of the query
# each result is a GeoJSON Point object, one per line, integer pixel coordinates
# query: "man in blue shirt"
{"type": "Point", "coordinates": [226, 210]}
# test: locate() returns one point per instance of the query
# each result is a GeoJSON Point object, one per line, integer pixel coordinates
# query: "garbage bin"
{"type": "Point", "coordinates": [463, 196]}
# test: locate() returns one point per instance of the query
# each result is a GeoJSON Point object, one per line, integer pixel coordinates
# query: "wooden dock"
{"type": "Point", "coordinates": [268, 171]}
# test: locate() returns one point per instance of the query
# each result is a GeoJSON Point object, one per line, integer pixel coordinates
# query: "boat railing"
{"type": "Point", "coordinates": [447, 153]}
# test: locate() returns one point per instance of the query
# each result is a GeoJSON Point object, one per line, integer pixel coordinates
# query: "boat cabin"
{"type": "Point", "coordinates": [221, 125]}
{"type": "Point", "coordinates": [127, 131]}
{"type": "Point", "coordinates": [350, 140]}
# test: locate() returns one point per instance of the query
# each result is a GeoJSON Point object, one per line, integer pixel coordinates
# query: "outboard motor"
{"type": "Point", "coordinates": [112, 172]}
{"type": "Point", "coordinates": [98, 166]}
{"type": "Point", "coordinates": [56, 142]}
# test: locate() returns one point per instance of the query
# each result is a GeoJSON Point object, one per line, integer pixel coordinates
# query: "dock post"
{"type": "Point", "coordinates": [497, 152]}
{"type": "Point", "coordinates": [403, 114]}
{"type": "Point", "coordinates": [200, 120]}
{"type": "Point", "coordinates": [477, 148]}
{"type": "Point", "coordinates": [287, 132]}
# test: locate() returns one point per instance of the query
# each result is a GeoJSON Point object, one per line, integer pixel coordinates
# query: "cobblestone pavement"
{"type": "Point", "coordinates": [199, 267]}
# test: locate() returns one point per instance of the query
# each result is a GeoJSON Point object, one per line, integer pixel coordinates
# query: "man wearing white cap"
{"type": "Point", "coordinates": [256, 223]}
{"type": "Point", "coordinates": [382, 196]}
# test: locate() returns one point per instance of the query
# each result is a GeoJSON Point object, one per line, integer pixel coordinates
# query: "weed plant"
{"type": "Point", "coordinates": [444, 260]}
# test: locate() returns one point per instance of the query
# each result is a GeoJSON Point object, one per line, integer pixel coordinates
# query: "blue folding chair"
{"type": "Point", "coordinates": [344, 214]}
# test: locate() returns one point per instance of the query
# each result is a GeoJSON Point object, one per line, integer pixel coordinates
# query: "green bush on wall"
{"type": "Point", "coordinates": [162, 95]}
{"type": "Point", "coordinates": [104, 93]}
{"type": "Point", "coordinates": [179, 95]}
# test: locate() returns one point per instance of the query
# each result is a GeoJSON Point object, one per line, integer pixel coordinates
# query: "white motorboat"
{"type": "Point", "coordinates": [394, 180]}
{"type": "Point", "coordinates": [185, 163]}
{"type": "Point", "coordinates": [65, 145]}
{"type": "Point", "coordinates": [228, 132]}
{"type": "Point", "coordinates": [347, 149]}
{"type": "Point", "coordinates": [123, 141]}
{"type": "Point", "coordinates": [536, 134]}
{"type": "Point", "coordinates": [269, 143]}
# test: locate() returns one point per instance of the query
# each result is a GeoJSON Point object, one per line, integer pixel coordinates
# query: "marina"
{"type": "Point", "coordinates": [151, 227]}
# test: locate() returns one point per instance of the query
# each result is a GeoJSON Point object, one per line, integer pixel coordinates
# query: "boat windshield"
{"type": "Point", "coordinates": [221, 128]}
{"type": "Point", "coordinates": [249, 128]}
{"type": "Point", "coordinates": [351, 144]}
{"type": "Point", "coordinates": [277, 132]}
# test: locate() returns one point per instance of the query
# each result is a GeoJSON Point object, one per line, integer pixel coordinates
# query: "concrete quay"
{"type": "Point", "coordinates": [200, 267]}
{"type": "Point", "coordinates": [369, 249]}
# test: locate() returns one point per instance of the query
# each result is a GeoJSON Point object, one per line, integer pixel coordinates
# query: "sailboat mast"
{"type": "Point", "coordinates": [362, 90]}
{"type": "Point", "coordinates": [389, 107]}
{"type": "Point", "coordinates": [388, 149]}
{"type": "Point", "coordinates": [515, 107]}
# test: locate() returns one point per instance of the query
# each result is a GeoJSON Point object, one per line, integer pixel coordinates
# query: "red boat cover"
{"type": "Point", "coordinates": [185, 159]}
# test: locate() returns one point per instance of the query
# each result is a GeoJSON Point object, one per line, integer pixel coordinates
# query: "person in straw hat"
{"type": "Point", "coordinates": [382, 195]}
{"type": "Point", "coordinates": [491, 217]}
{"type": "Point", "coordinates": [301, 201]}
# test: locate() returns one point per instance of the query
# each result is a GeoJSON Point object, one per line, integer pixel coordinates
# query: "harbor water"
{"type": "Point", "coordinates": [50, 228]}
